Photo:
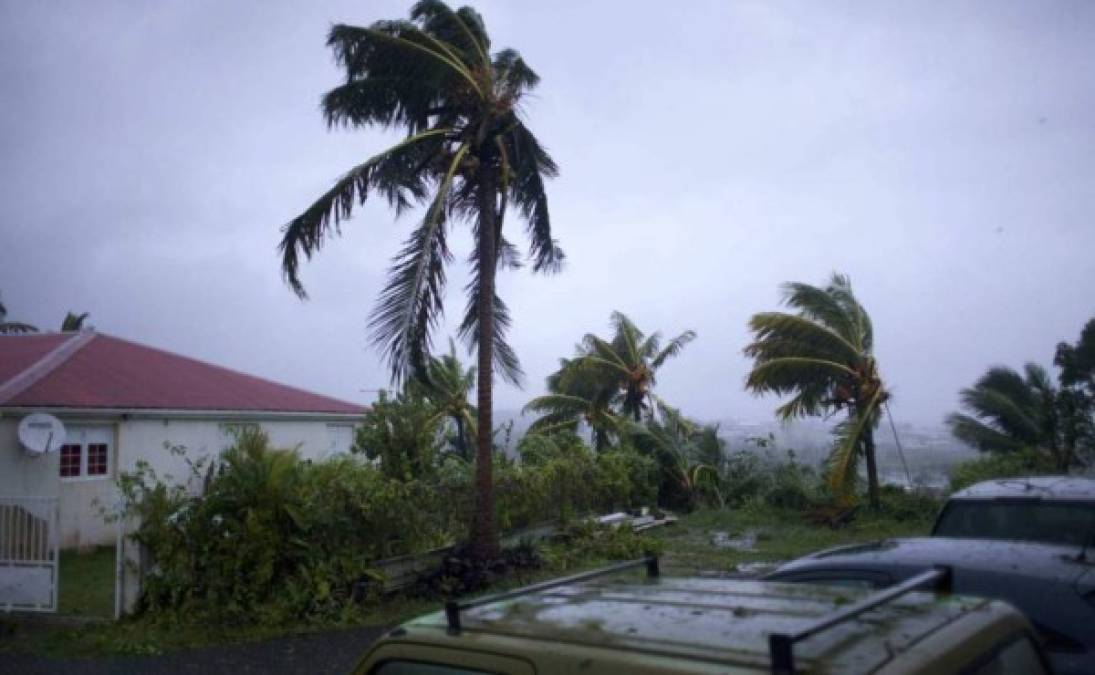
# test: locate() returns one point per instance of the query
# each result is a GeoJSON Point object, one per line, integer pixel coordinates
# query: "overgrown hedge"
{"type": "Point", "coordinates": [270, 537]}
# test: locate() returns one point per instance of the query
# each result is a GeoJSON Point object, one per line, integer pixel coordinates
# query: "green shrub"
{"type": "Point", "coordinates": [273, 538]}
{"type": "Point", "coordinates": [586, 541]}
{"type": "Point", "coordinates": [1000, 465]}
{"type": "Point", "coordinates": [904, 506]}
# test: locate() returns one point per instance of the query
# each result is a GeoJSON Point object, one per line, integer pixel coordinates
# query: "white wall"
{"type": "Point", "coordinates": [81, 500]}
{"type": "Point", "coordinates": [23, 475]}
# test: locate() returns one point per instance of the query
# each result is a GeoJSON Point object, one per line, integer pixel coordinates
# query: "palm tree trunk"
{"type": "Point", "coordinates": [872, 467]}
{"type": "Point", "coordinates": [461, 438]}
{"type": "Point", "coordinates": [484, 538]}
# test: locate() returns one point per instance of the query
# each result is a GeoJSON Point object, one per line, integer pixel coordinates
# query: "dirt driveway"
{"type": "Point", "coordinates": [334, 652]}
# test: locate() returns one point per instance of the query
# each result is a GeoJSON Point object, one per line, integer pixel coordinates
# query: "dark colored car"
{"type": "Point", "coordinates": [1050, 509]}
{"type": "Point", "coordinates": [1053, 585]}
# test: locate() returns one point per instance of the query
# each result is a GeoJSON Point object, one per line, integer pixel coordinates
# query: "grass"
{"type": "Point", "coordinates": [688, 548]}
{"type": "Point", "coordinates": [781, 534]}
{"type": "Point", "coordinates": [87, 583]}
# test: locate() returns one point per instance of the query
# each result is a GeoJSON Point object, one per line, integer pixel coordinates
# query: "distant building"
{"type": "Point", "coordinates": [122, 402]}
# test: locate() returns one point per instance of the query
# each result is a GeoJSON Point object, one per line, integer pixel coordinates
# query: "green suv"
{"type": "Point", "coordinates": [606, 622]}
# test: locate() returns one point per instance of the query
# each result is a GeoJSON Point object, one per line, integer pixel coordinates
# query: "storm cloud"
{"type": "Point", "coordinates": [941, 154]}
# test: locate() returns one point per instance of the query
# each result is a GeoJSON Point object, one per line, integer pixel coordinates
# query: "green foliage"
{"type": "Point", "coordinates": [591, 541]}
{"type": "Point", "coordinates": [752, 478]}
{"type": "Point", "coordinates": [1006, 411]}
{"type": "Point", "coordinates": [1027, 462]}
{"type": "Point", "coordinates": [272, 538]}
{"type": "Point", "coordinates": [822, 356]}
{"type": "Point", "coordinates": [607, 383]}
{"type": "Point", "coordinates": [402, 433]}
{"type": "Point", "coordinates": [905, 506]}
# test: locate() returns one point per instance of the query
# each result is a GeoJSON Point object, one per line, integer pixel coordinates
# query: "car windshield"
{"type": "Point", "coordinates": [1051, 522]}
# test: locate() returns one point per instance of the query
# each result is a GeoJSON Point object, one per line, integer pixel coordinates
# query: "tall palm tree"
{"type": "Point", "coordinates": [1009, 411]}
{"type": "Point", "coordinates": [822, 355]}
{"type": "Point", "coordinates": [446, 387]}
{"type": "Point", "coordinates": [13, 327]}
{"type": "Point", "coordinates": [468, 155]}
{"type": "Point", "coordinates": [73, 322]}
{"type": "Point", "coordinates": [574, 400]}
{"type": "Point", "coordinates": [626, 365]}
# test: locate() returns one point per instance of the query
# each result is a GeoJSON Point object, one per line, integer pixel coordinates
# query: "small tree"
{"type": "Point", "coordinates": [823, 357]}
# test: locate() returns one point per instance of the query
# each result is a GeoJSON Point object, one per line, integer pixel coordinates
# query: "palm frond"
{"type": "Point", "coordinates": [506, 362]}
{"type": "Point", "coordinates": [531, 164]}
{"type": "Point", "coordinates": [672, 349]}
{"type": "Point", "coordinates": [819, 305]}
{"type": "Point", "coordinates": [981, 436]}
{"type": "Point", "coordinates": [411, 303]}
{"type": "Point", "coordinates": [786, 374]}
{"type": "Point", "coordinates": [776, 334]}
{"type": "Point", "coordinates": [305, 234]}
{"type": "Point", "coordinates": [453, 28]}
{"type": "Point", "coordinates": [849, 437]}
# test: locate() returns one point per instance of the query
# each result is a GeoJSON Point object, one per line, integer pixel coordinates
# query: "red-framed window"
{"type": "Point", "coordinates": [71, 460]}
{"type": "Point", "coordinates": [97, 454]}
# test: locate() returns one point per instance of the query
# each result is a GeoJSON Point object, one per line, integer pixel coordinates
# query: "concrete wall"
{"type": "Point", "coordinates": [22, 475]}
{"type": "Point", "coordinates": [82, 500]}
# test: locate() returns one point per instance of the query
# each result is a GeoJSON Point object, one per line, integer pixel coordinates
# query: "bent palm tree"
{"type": "Point", "coordinates": [1010, 412]}
{"type": "Point", "coordinates": [823, 356]}
{"type": "Point", "coordinates": [468, 155]}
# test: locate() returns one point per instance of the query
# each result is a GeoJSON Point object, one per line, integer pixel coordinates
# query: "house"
{"type": "Point", "coordinates": [122, 402]}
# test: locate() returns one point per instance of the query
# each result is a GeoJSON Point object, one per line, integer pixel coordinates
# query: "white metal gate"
{"type": "Point", "coordinates": [29, 560]}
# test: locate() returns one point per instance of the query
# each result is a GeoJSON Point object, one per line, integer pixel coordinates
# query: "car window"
{"type": "Point", "coordinates": [1019, 657]}
{"type": "Point", "coordinates": [400, 667]}
{"type": "Point", "coordinates": [1067, 523]}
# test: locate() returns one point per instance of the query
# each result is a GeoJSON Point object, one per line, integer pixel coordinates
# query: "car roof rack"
{"type": "Point", "coordinates": [781, 645]}
{"type": "Point", "coordinates": [453, 608]}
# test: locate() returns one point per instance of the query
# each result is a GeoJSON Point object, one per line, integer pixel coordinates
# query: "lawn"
{"type": "Point", "coordinates": [690, 545]}
{"type": "Point", "coordinates": [87, 583]}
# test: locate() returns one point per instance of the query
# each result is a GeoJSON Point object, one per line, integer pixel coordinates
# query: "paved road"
{"type": "Point", "coordinates": [333, 652]}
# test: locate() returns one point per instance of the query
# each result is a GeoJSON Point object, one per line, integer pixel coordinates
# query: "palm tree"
{"type": "Point", "coordinates": [1010, 412]}
{"type": "Point", "coordinates": [468, 154]}
{"type": "Point", "coordinates": [446, 388]}
{"type": "Point", "coordinates": [73, 322]}
{"type": "Point", "coordinates": [626, 364]}
{"type": "Point", "coordinates": [688, 454]}
{"type": "Point", "coordinates": [822, 355]}
{"type": "Point", "coordinates": [13, 327]}
{"type": "Point", "coordinates": [575, 399]}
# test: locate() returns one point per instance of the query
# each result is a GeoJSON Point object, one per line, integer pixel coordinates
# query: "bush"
{"type": "Point", "coordinates": [274, 538]}
{"type": "Point", "coordinates": [903, 506]}
{"type": "Point", "coordinates": [753, 478]}
{"type": "Point", "coordinates": [1010, 465]}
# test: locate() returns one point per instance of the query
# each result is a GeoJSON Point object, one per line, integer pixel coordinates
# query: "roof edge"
{"type": "Point", "coordinates": [44, 366]}
{"type": "Point", "coordinates": [161, 413]}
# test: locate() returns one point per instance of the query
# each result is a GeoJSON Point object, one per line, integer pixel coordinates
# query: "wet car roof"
{"type": "Point", "coordinates": [720, 621]}
{"type": "Point", "coordinates": [1033, 487]}
{"type": "Point", "coordinates": [1035, 560]}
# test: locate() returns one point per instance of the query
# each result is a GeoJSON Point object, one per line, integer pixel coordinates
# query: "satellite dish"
{"type": "Point", "coordinates": [40, 433]}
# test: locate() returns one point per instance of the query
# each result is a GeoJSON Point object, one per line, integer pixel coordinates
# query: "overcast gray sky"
{"type": "Point", "coordinates": [941, 154]}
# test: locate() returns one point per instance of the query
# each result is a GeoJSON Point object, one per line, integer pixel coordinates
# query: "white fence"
{"type": "Point", "coordinates": [29, 560]}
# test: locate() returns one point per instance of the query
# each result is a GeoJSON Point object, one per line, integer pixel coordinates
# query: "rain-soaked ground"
{"type": "Point", "coordinates": [331, 652]}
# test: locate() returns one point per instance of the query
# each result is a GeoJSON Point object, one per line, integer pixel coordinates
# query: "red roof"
{"type": "Point", "coordinates": [92, 370]}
